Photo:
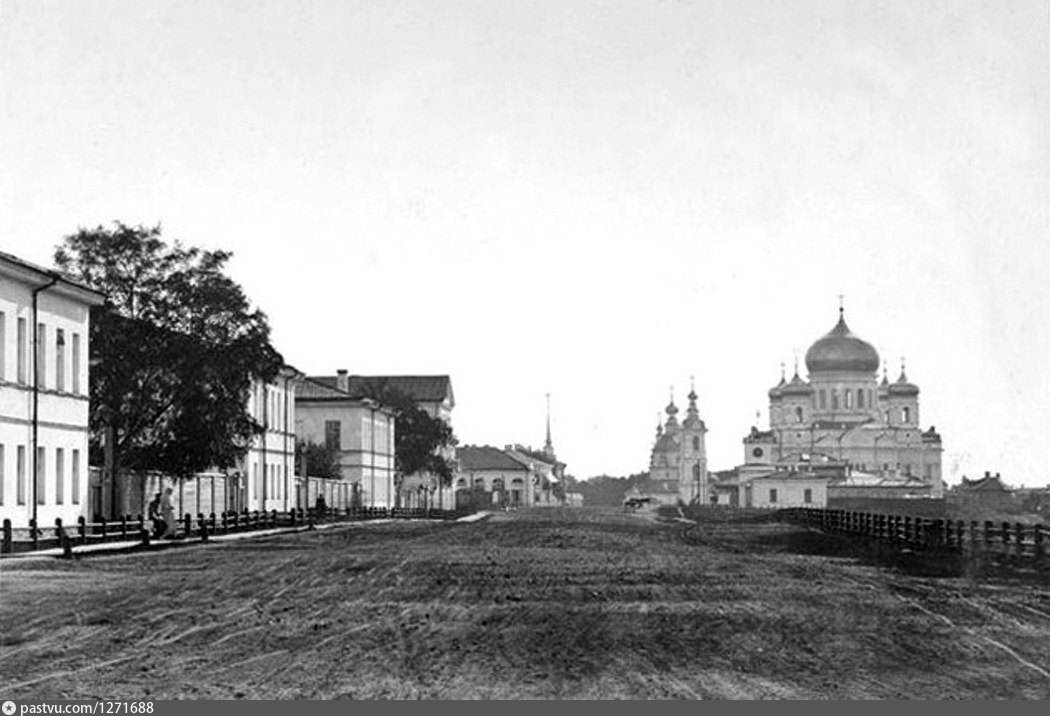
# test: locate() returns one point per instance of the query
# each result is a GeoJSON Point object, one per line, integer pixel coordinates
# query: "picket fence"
{"type": "Point", "coordinates": [909, 531]}
{"type": "Point", "coordinates": [137, 528]}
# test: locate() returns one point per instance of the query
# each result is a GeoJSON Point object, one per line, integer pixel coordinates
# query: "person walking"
{"type": "Point", "coordinates": [167, 514]}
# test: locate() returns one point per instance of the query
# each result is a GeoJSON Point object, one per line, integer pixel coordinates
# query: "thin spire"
{"type": "Point", "coordinates": [548, 446]}
{"type": "Point", "coordinates": [842, 309]}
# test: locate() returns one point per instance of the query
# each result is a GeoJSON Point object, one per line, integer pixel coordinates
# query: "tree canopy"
{"type": "Point", "coordinates": [420, 441]}
{"type": "Point", "coordinates": [321, 460]}
{"type": "Point", "coordinates": [174, 350]}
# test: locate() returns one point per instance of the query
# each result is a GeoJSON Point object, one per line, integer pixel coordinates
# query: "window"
{"type": "Point", "coordinates": [905, 414]}
{"type": "Point", "coordinates": [887, 417]}
{"type": "Point", "coordinates": [798, 414]}
{"type": "Point", "coordinates": [21, 350]}
{"type": "Point", "coordinates": [772, 495]}
{"type": "Point", "coordinates": [41, 472]}
{"type": "Point", "coordinates": [60, 474]}
{"type": "Point", "coordinates": [823, 399]}
{"type": "Point", "coordinates": [332, 437]}
{"type": "Point", "coordinates": [696, 444]}
{"type": "Point", "coordinates": [807, 496]}
{"type": "Point", "coordinates": [20, 474]}
{"type": "Point", "coordinates": [696, 472]}
{"type": "Point", "coordinates": [76, 363]}
{"type": "Point", "coordinates": [76, 468]}
{"type": "Point", "coordinates": [60, 359]}
{"type": "Point", "coordinates": [849, 398]}
{"type": "Point", "coordinates": [39, 370]}
{"type": "Point", "coordinates": [255, 479]}
{"type": "Point", "coordinates": [834, 400]}
{"type": "Point", "coordinates": [860, 398]}
{"type": "Point", "coordinates": [1, 472]}
{"type": "Point", "coordinates": [3, 346]}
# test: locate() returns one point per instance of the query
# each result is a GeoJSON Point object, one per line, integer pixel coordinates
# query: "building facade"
{"type": "Point", "coordinates": [360, 430]}
{"type": "Point", "coordinates": [44, 373]}
{"type": "Point", "coordinates": [678, 461]}
{"type": "Point", "coordinates": [268, 477]}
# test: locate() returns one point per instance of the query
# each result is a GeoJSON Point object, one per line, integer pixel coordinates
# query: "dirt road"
{"type": "Point", "coordinates": [543, 604]}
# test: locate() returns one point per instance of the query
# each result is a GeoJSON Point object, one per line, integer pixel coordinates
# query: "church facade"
{"type": "Point", "coordinates": [842, 420]}
{"type": "Point", "coordinates": [678, 462]}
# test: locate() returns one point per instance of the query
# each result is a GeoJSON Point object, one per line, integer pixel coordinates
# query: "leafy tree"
{"type": "Point", "coordinates": [321, 461]}
{"type": "Point", "coordinates": [420, 440]}
{"type": "Point", "coordinates": [174, 350]}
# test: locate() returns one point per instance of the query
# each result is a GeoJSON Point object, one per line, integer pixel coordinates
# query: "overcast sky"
{"type": "Point", "coordinates": [591, 199]}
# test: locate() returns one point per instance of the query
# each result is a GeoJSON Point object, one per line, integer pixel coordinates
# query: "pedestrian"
{"type": "Point", "coordinates": [153, 511]}
{"type": "Point", "coordinates": [167, 514]}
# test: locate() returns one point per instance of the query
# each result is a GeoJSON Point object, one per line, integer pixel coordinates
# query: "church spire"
{"type": "Point", "coordinates": [548, 447]}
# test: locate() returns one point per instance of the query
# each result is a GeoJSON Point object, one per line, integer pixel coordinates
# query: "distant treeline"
{"type": "Point", "coordinates": [606, 489]}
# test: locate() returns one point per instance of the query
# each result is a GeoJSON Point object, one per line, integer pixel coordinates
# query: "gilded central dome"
{"type": "Point", "coordinates": [840, 350]}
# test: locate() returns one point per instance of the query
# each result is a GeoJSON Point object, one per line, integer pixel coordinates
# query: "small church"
{"type": "Point", "coordinates": [678, 462]}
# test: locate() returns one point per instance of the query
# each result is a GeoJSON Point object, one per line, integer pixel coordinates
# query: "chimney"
{"type": "Point", "coordinates": [341, 380]}
{"type": "Point", "coordinates": [987, 474]}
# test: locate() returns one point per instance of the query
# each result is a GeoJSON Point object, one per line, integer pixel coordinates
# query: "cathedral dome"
{"type": "Point", "coordinates": [903, 387]}
{"type": "Point", "coordinates": [797, 386]}
{"type": "Point", "coordinates": [840, 350]}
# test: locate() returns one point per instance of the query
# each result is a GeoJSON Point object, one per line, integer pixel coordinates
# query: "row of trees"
{"type": "Point", "coordinates": [174, 351]}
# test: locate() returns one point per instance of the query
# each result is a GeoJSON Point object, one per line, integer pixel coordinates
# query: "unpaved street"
{"type": "Point", "coordinates": [542, 604]}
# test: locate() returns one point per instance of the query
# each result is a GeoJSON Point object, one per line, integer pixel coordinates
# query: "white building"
{"type": "Point", "coordinates": [269, 467]}
{"type": "Point", "coordinates": [359, 429]}
{"type": "Point", "coordinates": [44, 324]}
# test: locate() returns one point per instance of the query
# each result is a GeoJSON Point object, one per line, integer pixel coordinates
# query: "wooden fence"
{"type": "Point", "coordinates": [925, 533]}
{"type": "Point", "coordinates": [138, 529]}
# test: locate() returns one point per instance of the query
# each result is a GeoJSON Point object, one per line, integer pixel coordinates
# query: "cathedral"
{"type": "Point", "coordinates": [843, 421]}
{"type": "Point", "coordinates": [678, 464]}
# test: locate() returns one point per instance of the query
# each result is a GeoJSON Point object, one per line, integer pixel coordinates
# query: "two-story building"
{"type": "Point", "coordinates": [268, 480]}
{"type": "Point", "coordinates": [44, 328]}
{"type": "Point", "coordinates": [359, 430]}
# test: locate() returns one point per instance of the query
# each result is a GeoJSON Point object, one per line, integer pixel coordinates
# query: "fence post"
{"type": "Point", "coordinates": [63, 539]}
{"type": "Point", "coordinates": [1038, 541]}
{"type": "Point", "coordinates": [947, 536]}
{"type": "Point", "coordinates": [1019, 533]}
{"type": "Point", "coordinates": [225, 522]}
{"type": "Point", "coordinates": [34, 533]}
{"type": "Point", "coordinates": [82, 529]}
{"type": "Point", "coordinates": [1004, 533]}
{"type": "Point", "coordinates": [142, 523]}
{"type": "Point", "coordinates": [973, 535]}
{"type": "Point", "coordinates": [187, 525]}
{"type": "Point", "coordinates": [273, 515]}
{"type": "Point", "coordinates": [6, 546]}
{"type": "Point", "coordinates": [988, 539]}
{"type": "Point", "coordinates": [203, 526]}
{"type": "Point", "coordinates": [144, 536]}
{"type": "Point", "coordinates": [105, 528]}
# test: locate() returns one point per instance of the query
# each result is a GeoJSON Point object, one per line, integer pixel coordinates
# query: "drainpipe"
{"type": "Point", "coordinates": [373, 437]}
{"type": "Point", "coordinates": [286, 379]}
{"type": "Point", "coordinates": [36, 389]}
{"type": "Point", "coordinates": [265, 432]}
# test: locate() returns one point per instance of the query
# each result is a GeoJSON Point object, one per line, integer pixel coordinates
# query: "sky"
{"type": "Point", "coordinates": [595, 200]}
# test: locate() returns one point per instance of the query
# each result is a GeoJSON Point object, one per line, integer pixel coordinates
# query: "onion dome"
{"type": "Point", "coordinates": [774, 392]}
{"type": "Point", "coordinates": [841, 351]}
{"type": "Point", "coordinates": [902, 387]}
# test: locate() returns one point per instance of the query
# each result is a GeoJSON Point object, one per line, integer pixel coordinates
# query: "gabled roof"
{"type": "Point", "coordinates": [421, 388]}
{"type": "Point", "coordinates": [22, 269]}
{"type": "Point", "coordinates": [486, 457]}
{"type": "Point", "coordinates": [783, 475]}
{"type": "Point", "coordinates": [983, 484]}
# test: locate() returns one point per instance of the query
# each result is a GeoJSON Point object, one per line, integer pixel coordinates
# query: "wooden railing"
{"type": "Point", "coordinates": [1015, 538]}
{"type": "Point", "coordinates": [138, 529]}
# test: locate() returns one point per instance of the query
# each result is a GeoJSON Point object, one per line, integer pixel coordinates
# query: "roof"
{"type": "Point", "coordinates": [866, 479]}
{"type": "Point", "coordinates": [840, 350]}
{"type": "Point", "coordinates": [983, 484]}
{"type": "Point", "coordinates": [421, 388]}
{"type": "Point", "coordinates": [666, 443]}
{"type": "Point", "coordinates": [486, 457]}
{"type": "Point", "coordinates": [785, 475]}
{"type": "Point", "coordinates": [83, 292]}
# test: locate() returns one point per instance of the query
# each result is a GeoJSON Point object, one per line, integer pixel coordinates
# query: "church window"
{"type": "Point", "coordinates": [871, 400]}
{"type": "Point", "coordinates": [834, 400]}
{"type": "Point", "coordinates": [823, 399]}
{"type": "Point", "coordinates": [905, 414]}
{"type": "Point", "coordinates": [696, 472]}
{"type": "Point", "coordinates": [757, 452]}
{"type": "Point", "coordinates": [798, 414]}
{"type": "Point", "coordinates": [887, 417]}
{"type": "Point", "coordinates": [849, 398]}
{"type": "Point", "coordinates": [860, 398]}
{"type": "Point", "coordinates": [696, 444]}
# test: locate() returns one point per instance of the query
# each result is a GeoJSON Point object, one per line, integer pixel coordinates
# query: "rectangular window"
{"type": "Point", "coordinates": [3, 346]}
{"type": "Point", "coordinates": [807, 496]}
{"type": "Point", "coordinates": [20, 474]}
{"type": "Point", "coordinates": [255, 478]}
{"type": "Point", "coordinates": [823, 399]}
{"type": "Point", "coordinates": [60, 359]}
{"type": "Point", "coordinates": [76, 474]}
{"type": "Point", "coordinates": [60, 476]}
{"type": "Point", "coordinates": [21, 350]}
{"type": "Point", "coordinates": [772, 495]}
{"type": "Point", "coordinates": [76, 363]}
{"type": "Point", "coordinates": [40, 369]}
{"type": "Point", "coordinates": [332, 437]}
{"type": "Point", "coordinates": [41, 473]}
{"type": "Point", "coordinates": [834, 400]}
